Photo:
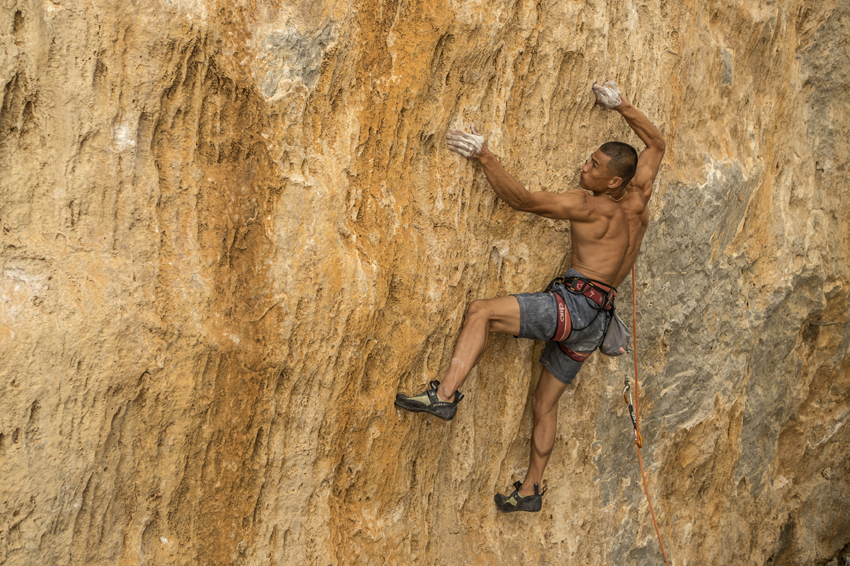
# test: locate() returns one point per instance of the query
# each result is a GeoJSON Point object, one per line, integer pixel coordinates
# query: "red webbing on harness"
{"type": "Point", "coordinates": [577, 356]}
{"type": "Point", "coordinates": [564, 322]}
{"type": "Point", "coordinates": [564, 328]}
{"type": "Point", "coordinates": [588, 289]}
{"type": "Point", "coordinates": [637, 416]}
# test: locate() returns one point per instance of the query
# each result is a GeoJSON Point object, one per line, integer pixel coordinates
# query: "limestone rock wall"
{"type": "Point", "coordinates": [231, 232]}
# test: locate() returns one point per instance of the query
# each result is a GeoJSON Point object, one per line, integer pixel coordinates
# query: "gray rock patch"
{"type": "Point", "coordinates": [289, 58]}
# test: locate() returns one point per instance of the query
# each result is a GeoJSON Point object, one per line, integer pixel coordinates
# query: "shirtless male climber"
{"type": "Point", "coordinates": [608, 220]}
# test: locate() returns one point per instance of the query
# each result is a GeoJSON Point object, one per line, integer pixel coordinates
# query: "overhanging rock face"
{"type": "Point", "coordinates": [231, 231]}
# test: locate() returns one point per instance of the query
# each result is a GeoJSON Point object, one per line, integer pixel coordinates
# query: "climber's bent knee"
{"type": "Point", "coordinates": [502, 313]}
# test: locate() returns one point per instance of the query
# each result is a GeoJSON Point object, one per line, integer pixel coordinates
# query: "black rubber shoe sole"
{"type": "Point", "coordinates": [531, 503]}
{"type": "Point", "coordinates": [445, 411]}
{"type": "Point", "coordinates": [441, 409]}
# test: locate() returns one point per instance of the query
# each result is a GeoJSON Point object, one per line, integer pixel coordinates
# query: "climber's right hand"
{"type": "Point", "coordinates": [470, 145]}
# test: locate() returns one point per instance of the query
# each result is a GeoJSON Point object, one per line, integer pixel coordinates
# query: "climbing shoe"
{"type": "Point", "coordinates": [428, 402]}
{"type": "Point", "coordinates": [516, 502]}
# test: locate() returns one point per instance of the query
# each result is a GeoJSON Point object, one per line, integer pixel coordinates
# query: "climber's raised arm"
{"type": "Point", "coordinates": [649, 160]}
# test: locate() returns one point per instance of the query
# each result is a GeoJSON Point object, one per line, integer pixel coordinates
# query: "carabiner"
{"type": "Point", "coordinates": [627, 397]}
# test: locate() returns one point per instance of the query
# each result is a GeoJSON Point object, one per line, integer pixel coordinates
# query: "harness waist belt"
{"type": "Point", "coordinates": [599, 293]}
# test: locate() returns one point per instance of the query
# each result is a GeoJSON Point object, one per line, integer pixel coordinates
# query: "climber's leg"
{"type": "Point", "coordinates": [545, 407]}
{"type": "Point", "coordinates": [482, 318]}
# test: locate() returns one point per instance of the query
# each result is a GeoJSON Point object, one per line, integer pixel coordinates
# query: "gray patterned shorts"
{"type": "Point", "coordinates": [539, 319]}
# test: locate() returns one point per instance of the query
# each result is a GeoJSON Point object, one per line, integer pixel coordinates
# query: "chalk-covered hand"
{"type": "Point", "coordinates": [467, 144]}
{"type": "Point", "coordinates": [608, 95]}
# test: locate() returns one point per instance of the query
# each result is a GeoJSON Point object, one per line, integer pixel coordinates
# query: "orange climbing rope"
{"type": "Point", "coordinates": [636, 416]}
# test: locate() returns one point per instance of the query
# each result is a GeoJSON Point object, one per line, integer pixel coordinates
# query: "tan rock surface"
{"type": "Point", "coordinates": [231, 232]}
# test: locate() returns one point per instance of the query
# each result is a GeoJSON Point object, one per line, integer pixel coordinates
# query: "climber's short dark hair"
{"type": "Point", "coordinates": [623, 162]}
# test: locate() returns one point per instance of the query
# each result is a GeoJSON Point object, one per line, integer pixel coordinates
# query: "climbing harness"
{"type": "Point", "coordinates": [602, 297]}
{"type": "Point", "coordinates": [635, 415]}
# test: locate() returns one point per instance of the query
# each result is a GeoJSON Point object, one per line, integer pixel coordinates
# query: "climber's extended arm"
{"type": "Point", "coordinates": [572, 205]}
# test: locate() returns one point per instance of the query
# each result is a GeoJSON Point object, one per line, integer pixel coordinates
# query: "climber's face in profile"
{"type": "Point", "coordinates": [594, 174]}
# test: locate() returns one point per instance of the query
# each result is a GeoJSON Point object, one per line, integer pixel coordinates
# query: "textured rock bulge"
{"type": "Point", "coordinates": [231, 231]}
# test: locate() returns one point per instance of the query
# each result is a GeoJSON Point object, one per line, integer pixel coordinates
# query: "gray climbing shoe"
{"type": "Point", "coordinates": [516, 502]}
{"type": "Point", "coordinates": [428, 402]}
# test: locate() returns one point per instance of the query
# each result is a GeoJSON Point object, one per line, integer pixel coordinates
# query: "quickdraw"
{"type": "Point", "coordinates": [627, 397]}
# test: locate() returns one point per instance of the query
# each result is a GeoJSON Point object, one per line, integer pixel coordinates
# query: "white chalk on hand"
{"type": "Point", "coordinates": [466, 144]}
{"type": "Point", "coordinates": [608, 95]}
